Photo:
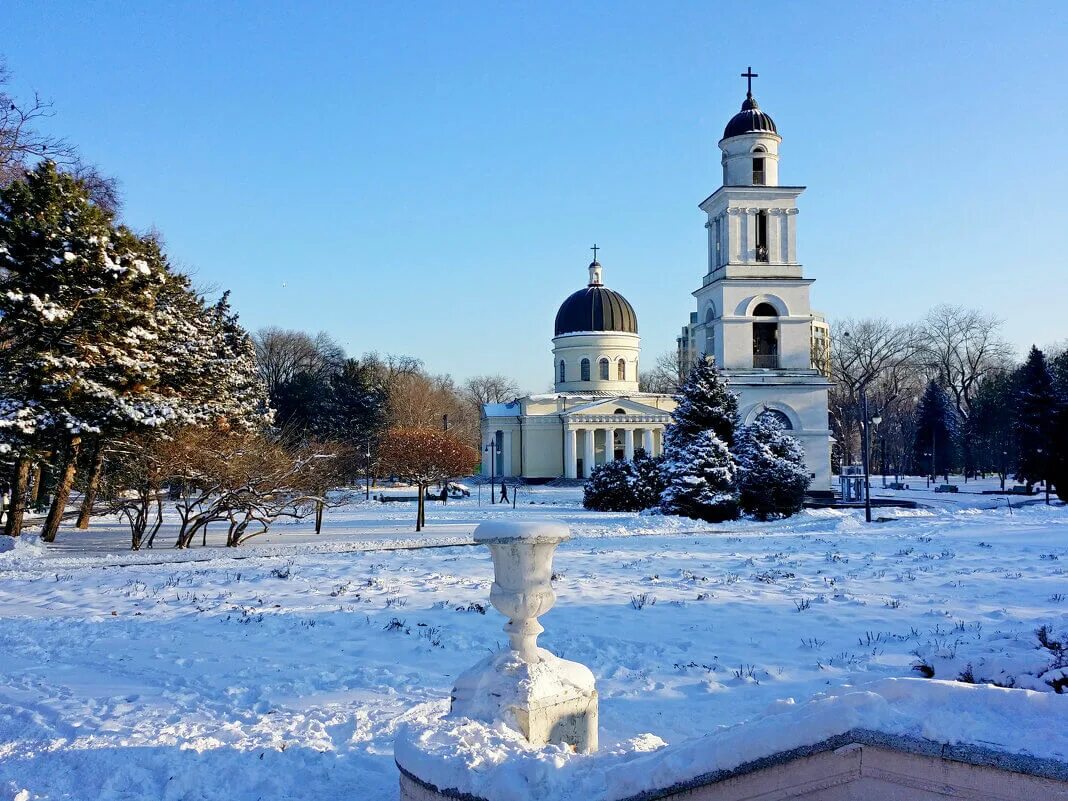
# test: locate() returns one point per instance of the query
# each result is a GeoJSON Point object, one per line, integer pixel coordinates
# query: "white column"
{"type": "Point", "coordinates": [570, 455]}
{"type": "Point", "coordinates": [647, 440]}
{"type": "Point", "coordinates": [588, 454]}
{"type": "Point", "coordinates": [506, 454]}
{"type": "Point", "coordinates": [776, 222]}
{"type": "Point", "coordinates": [628, 443]}
{"type": "Point", "coordinates": [734, 225]}
{"type": "Point", "coordinates": [791, 236]}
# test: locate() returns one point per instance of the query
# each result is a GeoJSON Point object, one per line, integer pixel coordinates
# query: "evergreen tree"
{"type": "Point", "coordinates": [1035, 409]}
{"type": "Point", "coordinates": [772, 477]}
{"type": "Point", "coordinates": [77, 309]}
{"type": "Point", "coordinates": [989, 427]}
{"type": "Point", "coordinates": [699, 480]}
{"type": "Point", "coordinates": [610, 488]}
{"type": "Point", "coordinates": [704, 404]}
{"type": "Point", "coordinates": [650, 479]}
{"type": "Point", "coordinates": [1059, 468]}
{"type": "Point", "coordinates": [937, 429]}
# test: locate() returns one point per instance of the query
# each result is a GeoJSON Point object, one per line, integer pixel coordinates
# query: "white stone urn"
{"type": "Point", "coordinates": [549, 699]}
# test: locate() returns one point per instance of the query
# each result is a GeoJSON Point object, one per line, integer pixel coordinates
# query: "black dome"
{"type": "Point", "coordinates": [749, 120]}
{"type": "Point", "coordinates": [596, 308]}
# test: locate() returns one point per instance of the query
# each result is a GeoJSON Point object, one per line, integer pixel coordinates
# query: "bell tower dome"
{"type": "Point", "coordinates": [750, 144]}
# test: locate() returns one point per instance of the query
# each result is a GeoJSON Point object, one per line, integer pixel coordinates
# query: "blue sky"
{"type": "Point", "coordinates": [427, 178]}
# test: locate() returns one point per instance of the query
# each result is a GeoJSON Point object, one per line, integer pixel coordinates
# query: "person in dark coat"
{"type": "Point", "coordinates": [444, 493]}
{"type": "Point", "coordinates": [504, 492]}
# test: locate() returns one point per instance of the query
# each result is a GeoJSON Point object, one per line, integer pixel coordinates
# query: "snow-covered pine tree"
{"type": "Point", "coordinates": [772, 478]}
{"type": "Point", "coordinates": [705, 403]}
{"type": "Point", "coordinates": [649, 482]}
{"type": "Point", "coordinates": [1033, 419]}
{"type": "Point", "coordinates": [937, 428]}
{"type": "Point", "coordinates": [76, 316]}
{"type": "Point", "coordinates": [1059, 473]}
{"type": "Point", "coordinates": [699, 479]}
{"type": "Point", "coordinates": [610, 488]}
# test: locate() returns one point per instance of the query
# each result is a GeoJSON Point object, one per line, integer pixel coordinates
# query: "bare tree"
{"type": "Point", "coordinates": [283, 354]}
{"type": "Point", "coordinates": [961, 347]}
{"type": "Point", "coordinates": [423, 457]}
{"type": "Point", "coordinates": [21, 143]}
{"type": "Point", "coordinates": [490, 389]}
{"type": "Point", "coordinates": [863, 353]}
{"type": "Point", "coordinates": [665, 377]}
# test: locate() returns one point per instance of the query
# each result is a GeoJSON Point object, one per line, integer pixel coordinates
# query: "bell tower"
{"type": "Point", "coordinates": [753, 311]}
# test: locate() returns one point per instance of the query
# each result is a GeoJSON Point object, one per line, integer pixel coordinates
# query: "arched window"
{"type": "Point", "coordinates": [603, 369]}
{"type": "Point", "coordinates": [759, 176]}
{"type": "Point", "coordinates": [765, 310]}
{"type": "Point", "coordinates": [620, 411]}
{"type": "Point", "coordinates": [779, 417]}
{"type": "Point", "coordinates": [563, 372]}
{"type": "Point", "coordinates": [584, 369]}
{"type": "Point", "coordinates": [710, 332]}
{"type": "Point", "coordinates": [621, 370]}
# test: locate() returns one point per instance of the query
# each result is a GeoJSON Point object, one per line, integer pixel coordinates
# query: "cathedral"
{"type": "Point", "coordinates": [753, 316]}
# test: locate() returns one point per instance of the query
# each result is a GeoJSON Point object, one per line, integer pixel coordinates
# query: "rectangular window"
{"type": "Point", "coordinates": [758, 171]}
{"type": "Point", "coordinates": [762, 236]}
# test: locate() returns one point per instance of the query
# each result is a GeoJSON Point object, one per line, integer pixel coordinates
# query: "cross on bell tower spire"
{"type": "Point", "coordinates": [749, 75]}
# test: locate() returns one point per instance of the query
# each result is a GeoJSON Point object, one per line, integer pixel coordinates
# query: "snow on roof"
{"type": "Point", "coordinates": [495, 761]}
{"type": "Point", "coordinates": [501, 409]}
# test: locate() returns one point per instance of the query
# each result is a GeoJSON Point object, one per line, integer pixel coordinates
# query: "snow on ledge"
{"type": "Point", "coordinates": [493, 761]}
{"type": "Point", "coordinates": [508, 531]}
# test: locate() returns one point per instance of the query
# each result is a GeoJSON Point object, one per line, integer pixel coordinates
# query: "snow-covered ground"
{"type": "Point", "coordinates": [283, 669]}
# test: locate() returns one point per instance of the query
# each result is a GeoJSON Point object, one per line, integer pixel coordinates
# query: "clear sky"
{"type": "Point", "coordinates": [427, 178]}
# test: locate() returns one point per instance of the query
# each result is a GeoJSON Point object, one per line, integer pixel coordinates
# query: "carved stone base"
{"type": "Point", "coordinates": [549, 700]}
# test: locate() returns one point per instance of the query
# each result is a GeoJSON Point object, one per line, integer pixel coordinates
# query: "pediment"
{"type": "Point", "coordinates": [608, 406]}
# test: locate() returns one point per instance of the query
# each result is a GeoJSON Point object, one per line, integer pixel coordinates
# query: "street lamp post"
{"type": "Point", "coordinates": [1045, 472]}
{"type": "Point", "coordinates": [865, 445]}
{"type": "Point", "coordinates": [367, 478]}
{"type": "Point", "coordinates": [491, 449]}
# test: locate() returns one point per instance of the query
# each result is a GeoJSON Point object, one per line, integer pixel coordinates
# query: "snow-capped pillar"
{"type": "Point", "coordinates": [589, 455]}
{"type": "Point", "coordinates": [551, 699]}
{"type": "Point", "coordinates": [628, 443]}
{"type": "Point", "coordinates": [570, 455]}
{"type": "Point", "coordinates": [647, 441]}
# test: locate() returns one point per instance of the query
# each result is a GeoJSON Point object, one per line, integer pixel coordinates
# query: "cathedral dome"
{"type": "Point", "coordinates": [749, 120]}
{"type": "Point", "coordinates": [596, 308]}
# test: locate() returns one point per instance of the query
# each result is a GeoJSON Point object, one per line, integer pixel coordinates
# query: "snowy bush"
{"type": "Point", "coordinates": [772, 478]}
{"type": "Point", "coordinates": [611, 487]}
{"type": "Point", "coordinates": [625, 486]}
{"type": "Point", "coordinates": [649, 482]}
{"type": "Point", "coordinates": [699, 480]}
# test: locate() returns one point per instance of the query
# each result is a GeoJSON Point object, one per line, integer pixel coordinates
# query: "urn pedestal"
{"type": "Point", "coordinates": [548, 699]}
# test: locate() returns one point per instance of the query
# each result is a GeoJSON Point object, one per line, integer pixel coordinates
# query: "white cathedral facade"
{"type": "Point", "coordinates": [753, 317]}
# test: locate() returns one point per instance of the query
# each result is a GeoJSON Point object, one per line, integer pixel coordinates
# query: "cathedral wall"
{"type": "Point", "coordinates": [544, 449]}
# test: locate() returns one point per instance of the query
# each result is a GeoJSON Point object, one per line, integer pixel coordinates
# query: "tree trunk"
{"type": "Point", "coordinates": [318, 516]}
{"type": "Point", "coordinates": [63, 488]}
{"type": "Point", "coordinates": [35, 484]}
{"type": "Point", "coordinates": [419, 510]}
{"type": "Point", "coordinates": [92, 484]}
{"type": "Point", "coordinates": [17, 508]}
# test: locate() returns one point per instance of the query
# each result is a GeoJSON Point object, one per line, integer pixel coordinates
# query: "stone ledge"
{"type": "Point", "coordinates": [1036, 778]}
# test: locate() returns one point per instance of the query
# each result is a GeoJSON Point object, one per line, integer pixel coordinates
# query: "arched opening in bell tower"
{"type": "Point", "coordinates": [766, 337]}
